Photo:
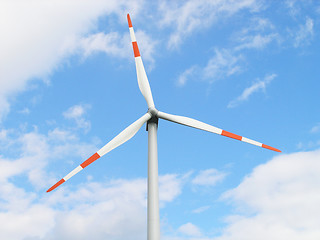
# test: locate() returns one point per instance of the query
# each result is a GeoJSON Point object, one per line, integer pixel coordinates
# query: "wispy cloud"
{"type": "Point", "coordinates": [311, 143]}
{"type": "Point", "coordinates": [315, 129]}
{"type": "Point", "coordinates": [25, 111]}
{"type": "Point", "coordinates": [224, 63]}
{"type": "Point", "coordinates": [304, 35]}
{"type": "Point", "coordinates": [255, 87]}
{"type": "Point", "coordinates": [257, 35]}
{"type": "Point", "coordinates": [77, 113]}
{"type": "Point", "coordinates": [110, 43]}
{"type": "Point", "coordinates": [209, 177]}
{"type": "Point", "coordinates": [186, 75]}
{"type": "Point", "coordinates": [189, 16]}
{"type": "Point", "coordinates": [201, 209]}
{"type": "Point", "coordinates": [294, 9]}
{"type": "Point", "coordinates": [115, 44]}
{"type": "Point", "coordinates": [308, 145]}
{"type": "Point", "coordinates": [256, 41]}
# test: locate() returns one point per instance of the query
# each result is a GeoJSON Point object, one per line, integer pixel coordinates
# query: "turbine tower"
{"type": "Point", "coordinates": [151, 118]}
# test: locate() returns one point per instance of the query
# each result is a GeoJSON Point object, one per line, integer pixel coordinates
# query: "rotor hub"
{"type": "Point", "coordinates": [153, 111]}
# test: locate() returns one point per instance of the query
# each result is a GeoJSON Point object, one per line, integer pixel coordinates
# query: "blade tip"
{"type": "Point", "coordinates": [56, 185]}
{"type": "Point", "coordinates": [129, 20]}
{"type": "Point", "coordinates": [271, 148]}
{"type": "Point", "coordinates": [50, 189]}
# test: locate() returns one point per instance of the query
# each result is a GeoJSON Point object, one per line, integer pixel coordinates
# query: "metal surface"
{"type": "Point", "coordinates": [153, 189]}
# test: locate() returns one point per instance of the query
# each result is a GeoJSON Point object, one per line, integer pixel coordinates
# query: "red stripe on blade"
{"type": "Point", "coordinates": [270, 148]}
{"type": "Point", "coordinates": [56, 185]}
{"type": "Point", "coordinates": [90, 160]}
{"type": "Point", "coordinates": [129, 20]}
{"type": "Point", "coordinates": [135, 49]}
{"type": "Point", "coordinates": [231, 135]}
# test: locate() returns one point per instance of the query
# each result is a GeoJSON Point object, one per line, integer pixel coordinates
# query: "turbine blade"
{"type": "Point", "coordinates": [121, 138]}
{"type": "Point", "coordinates": [206, 127]}
{"type": "Point", "coordinates": [141, 73]}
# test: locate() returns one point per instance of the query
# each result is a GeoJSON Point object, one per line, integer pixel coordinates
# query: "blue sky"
{"type": "Point", "coordinates": [68, 86]}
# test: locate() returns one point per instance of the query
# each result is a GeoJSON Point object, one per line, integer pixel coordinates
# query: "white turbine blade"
{"type": "Point", "coordinates": [121, 138]}
{"type": "Point", "coordinates": [141, 73]}
{"type": "Point", "coordinates": [206, 127]}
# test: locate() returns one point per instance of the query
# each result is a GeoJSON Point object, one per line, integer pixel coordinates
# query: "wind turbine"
{"type": "Point", "coordinates": [151, 118]}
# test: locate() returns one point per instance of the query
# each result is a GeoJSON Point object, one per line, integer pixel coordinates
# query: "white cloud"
{"type": "Point", "coordinates": [25, 111]}
{"type": "Point", "coordinates": [315, 129]}
{"type": "Point", "coordinates": [101, 211]}
{"type": "Point", "coordinates": [95, 210]}
{"type": "Point", "coordinates": [278, 200]}
{"type": "Point", "coordinates": [170, 186]}
{"type": "Point", "coordinates": [259, 24]}
{"type": "Point", "coordinates": [257, 86]}
{"type": "Point", "coordinates": [223, 64]}
{"type": "Point", "coordinates": [228, 62]}
{"type": "Point", "coordinates": [33, 151]}
{"type": "Point", "coordinates": [189, 16]}
{"type": "Point", "coordinates": [77, 113]}
{"type": "Point", "coordinates": [209, 177]}
{"type": "Point", "coordinates": [257, 35]}
{"type": "Point", "coordinates": [183, 78]}
{"type": "Point", "coordinates": [189, 229]}
{"type": "Point", "coordinates": [256, 41]}
{"type": "Point", "coordinates": [31, 223]}
{"type": "Point", "coordinates": [308, 145]}
{"type": "Point", "coordinates": [147, 47]}
{"type": "Point", "coordinates": [305, 33]}
{"type": "Point", "coordinates": [116, 45]}
{"type": "Point", "coordinates": [3, 134]}
{"type": "Point", "coordinates": [38, 35]}
{"type": "Point", "coordinates": [294, 10]}
{"type": "Point", "coordinates": [201, 209]}
{"type": "Point", "coordinates": [111, 43]}
{"type": "Point", "coordinates": [60, 135]}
